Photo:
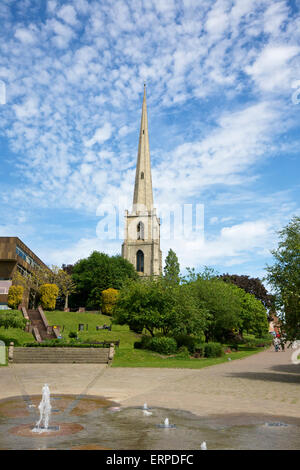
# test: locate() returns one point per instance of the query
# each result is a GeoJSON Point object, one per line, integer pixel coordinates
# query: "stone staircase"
{"type": "Point", "coordinates": [61, 355]}
{"type": "Point", "coordinates": [37, 322]}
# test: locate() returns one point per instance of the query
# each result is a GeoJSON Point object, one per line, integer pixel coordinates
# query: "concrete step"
{"type": "Point", "coordinates": [61, 355]}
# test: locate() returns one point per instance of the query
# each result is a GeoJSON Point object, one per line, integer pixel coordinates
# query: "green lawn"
{"type": "Point", "coordinates": [17, 335]}
{"type": "Point", "coordinates": [126, 355]}
{"type": "Point", "coordinates": [70, 322]}
{"type": "Point", "coordinates": [144, 358]}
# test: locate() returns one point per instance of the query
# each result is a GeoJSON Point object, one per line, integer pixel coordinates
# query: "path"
{"type": "Point", "coordinates": [265, 383]}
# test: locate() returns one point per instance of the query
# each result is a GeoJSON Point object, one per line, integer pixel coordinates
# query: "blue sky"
{"type": "Point", "coordinates": [223, 93]}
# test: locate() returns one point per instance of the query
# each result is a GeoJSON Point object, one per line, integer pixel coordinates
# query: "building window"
{"type": "Point", "coordinates": [4, 307]}
{"type": "Point", "coordinates": [140, 231]}
{"type": "Point", "coordinates": [25, 257]}
{"type": "Point", "coordinates": [142, 175]}
{"type": "Point", "coordinates": [140, 261]}
{"type": "Point", "coordinates": [23, 271]}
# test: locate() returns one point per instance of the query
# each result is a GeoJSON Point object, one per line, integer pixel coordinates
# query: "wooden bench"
{"type": "Point", "coordinates": [103, 327]}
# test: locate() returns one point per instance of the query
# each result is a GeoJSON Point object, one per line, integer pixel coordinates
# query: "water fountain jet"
{"type": "Point", "coordinates": [42, 424]}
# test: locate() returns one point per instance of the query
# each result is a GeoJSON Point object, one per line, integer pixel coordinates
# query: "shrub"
{"type": "Point", "coordinates": [72, 334]}
{"type": "Point", "coordinates": [259, 342]}
{"type": "Point", "coordinates": [146, 342]}
{"type": "Point", "coordinates": [12, 320]}
{"type": "Point", "coordinates": [15, 296]}
{"type": "Point", "coordinates": [164, 345]}
{"type": "Point", "coordinates": [183, 352]}
{"type": "Point", "coordinates": [186, 341]}
{"type": "Point", "coordinates": [200, 349]}
{"type": "Point", "coordinates": [49, 293]}
{"type": "Point", "coordinates": [109, 298]}
{"type": "Point", "coordinates": [8, 340]}
{"type": "Point", "coordinates": [213, 350]}
{"type": "Point", "coordinates": [136, 329]}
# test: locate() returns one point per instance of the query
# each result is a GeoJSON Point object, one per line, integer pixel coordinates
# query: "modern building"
{"type": "Point", "coordinates": [14, 256]}
{"type": "Point", "coordinates": [142, 226]}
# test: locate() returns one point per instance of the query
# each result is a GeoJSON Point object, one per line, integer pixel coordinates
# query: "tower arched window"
{"type": "Point", "coordinates": [140, 231]}
{"type": "Point", "coordinates": [142, 175]}
{"type": "Point", "coordinates": [140, 261]}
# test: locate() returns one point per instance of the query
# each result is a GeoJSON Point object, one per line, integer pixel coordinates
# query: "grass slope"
{"type": "Point", "coordinates": [17, 335]}
{"type": "Point", "coordinates": [126, 355]}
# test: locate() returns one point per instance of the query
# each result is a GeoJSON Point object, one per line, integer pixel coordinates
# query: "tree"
{"type": "Point", "coordinates": [109, 299]}
{"type": "Point", "coordinates": [96, 273]}
{"type": "Point", "coordinates": [284, 277]}
{"type": "Point", "coordinates": [158, 307]}
{"type": "Point", "coordinates": [32, 282]}
{"type": "Point", "coordinates": [253, 316]}
{"type": "Point", "coordinates": [172, 268]}
{"type": "Point", "coordinates": [15, 296]}
{"type": "Point", "coordinates": [49, 293]}
{"type": "Point", "coordinates": [65, 284]}
{"type": "Point", "coordinates": [251, 286]}
{"type": "Point", "coordinates": [223, 304]}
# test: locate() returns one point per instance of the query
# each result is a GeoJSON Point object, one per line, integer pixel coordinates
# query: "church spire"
{"type": "Point", "coordinates": [143, 197]}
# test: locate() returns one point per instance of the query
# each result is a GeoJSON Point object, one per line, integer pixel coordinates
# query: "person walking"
{"type": "Point", "coordinates": [282, 343]}
{"type": "Point", "coordinates": [276, 344]}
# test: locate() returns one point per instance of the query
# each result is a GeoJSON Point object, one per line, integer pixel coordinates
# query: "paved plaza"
{"type": "Point", "coordinates": [266, 383]}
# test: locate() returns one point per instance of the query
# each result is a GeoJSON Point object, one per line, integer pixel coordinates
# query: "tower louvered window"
{"type": "Point", "coordinates": [140, 231]}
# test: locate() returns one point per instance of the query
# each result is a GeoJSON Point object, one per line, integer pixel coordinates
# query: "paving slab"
{"type": "Point", "coordinates": [265, 383]}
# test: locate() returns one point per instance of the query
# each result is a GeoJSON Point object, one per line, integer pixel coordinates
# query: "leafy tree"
{"type": "Point", "coordinates": [49, 293]}
{"type": "Point", "coordinates": [172, 268]}
{"type": "Point", "coordinates": [251, 286]}
{"type": "Point", "coordinates": [284, 277]}
{"type": "Point", "coordinates": [32, 282]}
{"type": "Point", "coordinates": [96, 273]}
{"type": "Point", "coordinates": [158, 307]}
{"type": "Point", "coordinates": [223, 304]}
{"type": "Point", "coordinates": [206, 274]}
{"type": "Point", "coordinates": [15, 296]}
{"type": "Point", "coordinates": [109, 299]}
{"type": "Point", "coordinates": [253, 316]}
{"type": "Point", "coordinates": [65, 284]}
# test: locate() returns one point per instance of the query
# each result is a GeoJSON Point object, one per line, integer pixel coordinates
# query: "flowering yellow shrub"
{"type": "Point", "coordinates": [49, 293]}
{"type": "Point", "coordinates": [109, 298]}
{"type": "Point", "coordinates": [15, 296]}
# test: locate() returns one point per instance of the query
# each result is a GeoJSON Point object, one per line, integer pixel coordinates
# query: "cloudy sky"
{"type": "Point", "coordinates": [223, 93]}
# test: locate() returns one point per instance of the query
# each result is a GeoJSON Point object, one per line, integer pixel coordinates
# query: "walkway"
{"type": "Point", "coordinates": [266, 383]}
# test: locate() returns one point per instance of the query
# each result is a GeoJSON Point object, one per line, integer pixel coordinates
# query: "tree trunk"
{"type": "Point", "coordinates": [66, 300]}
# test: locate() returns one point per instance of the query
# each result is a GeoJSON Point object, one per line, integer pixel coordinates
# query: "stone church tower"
{"type": "Point", "coordinates": [142, 227]}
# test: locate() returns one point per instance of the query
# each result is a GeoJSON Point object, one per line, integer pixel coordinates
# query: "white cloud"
{"type": "Point", "coordinates": [68, 14]}
{"type": "Point", "coordinates": [29, 108]}
{"type": "Point", "coordinates": [101, 135]}
{"type": "Point", "coordinates": [234, 245]}
{"type": "Point", "coordinates": [76, 93]}
{"type": "Point", "coordinates": [25, 36]}
{"type": "Point", "coordinates": [270, 71]}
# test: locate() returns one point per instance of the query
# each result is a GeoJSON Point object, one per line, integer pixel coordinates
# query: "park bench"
{"type": "Point", "coordinates": [103, 327]}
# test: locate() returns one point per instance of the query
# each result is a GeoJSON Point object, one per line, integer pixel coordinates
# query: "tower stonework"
{"type": "Point", "coordinates": [142, 226]}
